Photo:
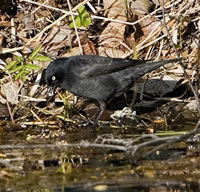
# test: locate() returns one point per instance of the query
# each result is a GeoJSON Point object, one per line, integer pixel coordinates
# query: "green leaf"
{"type": "Point", "coordinates": [32, 67]}
{"type": "Point", "coordinates": [21, 73]}
{"type": "Point", "coordinates": [18, 68]}
{"type": "Point", "coordinates": [19, 58]}
{"type": "Point", "coordinates": [82, 19]}
{"type": "Point", "coordinates": [26, 71]}
{"type": "Point", "coordinates": [87, 22]}
{"type": "Point", "coordinates": [77, 22]}
{"type": "Point", "coordinates": [82, 11]}
{"type": "Point", "coordinates": [34, 53]}
{"type": "Point", "coordinates": [18, 75]}
{"type": "Point", "coordinates": [23, 77]}
{"type": "Point", "coordinates": [41, 58]}
{"type": "Point", "coordinates": [10, 65]}
{"type": "Point", "coordinates": [71, 25]}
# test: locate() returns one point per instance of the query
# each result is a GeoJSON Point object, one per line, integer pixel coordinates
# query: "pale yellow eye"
{"type": "Point", "coordinates": [53, 78]}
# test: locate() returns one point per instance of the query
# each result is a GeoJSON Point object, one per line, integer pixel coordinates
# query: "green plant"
{"type": "Point", "coordinates": [65, 167]}
{"type": "Point", "coordinates": [23, 66]}
{"type": "Point", "coordinates": [82, 19]}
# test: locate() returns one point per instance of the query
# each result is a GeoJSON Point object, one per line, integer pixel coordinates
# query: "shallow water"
{"type": "Point", "coordinates": [46, 159]}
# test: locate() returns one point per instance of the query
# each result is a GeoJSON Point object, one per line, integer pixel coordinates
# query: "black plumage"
{"type": "Point", "coordinates": [96, 77]}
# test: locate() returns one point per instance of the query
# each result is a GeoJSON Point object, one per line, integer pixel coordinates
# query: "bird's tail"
{"type": "Point", "coordinates": [140, 70]}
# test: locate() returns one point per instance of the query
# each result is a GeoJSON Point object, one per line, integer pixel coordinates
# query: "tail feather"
{"type": "Point", "coordinates": [141, 70]}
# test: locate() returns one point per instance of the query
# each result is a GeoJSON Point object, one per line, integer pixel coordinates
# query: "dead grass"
{"type": "Point", "coordinates": [117, 30]}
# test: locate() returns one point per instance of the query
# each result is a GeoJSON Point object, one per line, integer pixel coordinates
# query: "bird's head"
{"type": "Point", "coordinates": [52, 76]}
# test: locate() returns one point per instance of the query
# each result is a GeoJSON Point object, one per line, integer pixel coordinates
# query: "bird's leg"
{"type": "Point", "coordinates": [94, 122]}
{"type": "Point", "coordinates": [101, 109]}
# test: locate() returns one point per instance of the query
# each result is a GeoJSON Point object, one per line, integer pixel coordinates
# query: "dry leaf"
{"type": "Point", "coordinates": [89, 48]}
{"type": "Point", "coordinates": [58, 38]}
{"type": "Point", "coordinates": [10, 91]}
{"type": "Point", "coordinates": [73, 51]}
{"type": "Point", "coordinates": [160, 2]}
{"type": "Point", "coordinates": [139, 6]}
{"type": "Point", "coordinates": [87, 45]}
{"type": "Point", "coordinates": [113, 35]}
{"type": "Point", "coordinates": [113, 52]}
{"type": "Point", "coordinates": [146, 27]}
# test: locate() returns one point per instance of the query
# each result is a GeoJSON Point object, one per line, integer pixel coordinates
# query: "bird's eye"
{"type": "Point", "coordinates": [53, 78]}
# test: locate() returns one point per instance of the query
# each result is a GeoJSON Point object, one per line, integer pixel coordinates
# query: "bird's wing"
{"type": "Point", "coordinates": [97, 66]}
{"type": "Point", "coordinates": [88, 66]}
{"type": "Point", "coordinates": [99, 69]}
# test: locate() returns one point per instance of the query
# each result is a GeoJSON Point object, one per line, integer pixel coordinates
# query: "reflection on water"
{"type": "Point", "coordinates": [47, 164]}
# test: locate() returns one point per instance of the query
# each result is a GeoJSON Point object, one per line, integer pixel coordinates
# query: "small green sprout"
{"type": "Point", "coordinates": [23, 66]}
{"type": "Point", "coordinates": [82, 19]}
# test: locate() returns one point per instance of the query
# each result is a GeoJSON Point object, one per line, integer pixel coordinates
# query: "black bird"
{"type": "Point", "coordinates": [96, 77]}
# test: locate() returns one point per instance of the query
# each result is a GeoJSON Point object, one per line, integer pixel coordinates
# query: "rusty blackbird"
{"type": "Point", "coordinates": [96, 77]}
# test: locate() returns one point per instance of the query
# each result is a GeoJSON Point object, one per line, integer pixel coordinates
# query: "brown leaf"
{"type": "Point", "coordinates": [113, 52]}
{"type": "Point", "coordinates": [58, 38]}
{"type": "Point", "coordinates": [160, 2]}
{"type": "Point", "coordinates": [140, 6]}
{"type": "Point", "coordinates": [145, 27]}
{"type": "Point", "coordinates": [10, 91]}
{"type": "Point", "coordinates": [87, 45]}
{"type": "Point", "coordinates": [89, 48]}
{"type": "Point", "coordinates": [112, 36]}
